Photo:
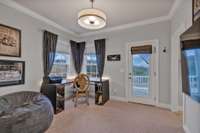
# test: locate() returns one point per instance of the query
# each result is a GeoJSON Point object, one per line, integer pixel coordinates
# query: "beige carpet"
{"type": "Point", "coordinates": [116, 117]}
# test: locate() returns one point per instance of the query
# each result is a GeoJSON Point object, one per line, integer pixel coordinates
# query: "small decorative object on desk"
{"type": "Point", "coordinates": [10, 41]}
{"type": "Point", "coordinates": [100, 99]}
{"type": "Point", "coordinates": [116, 57]}
{"type": "Point", "coordinates": [196, 10]}
{"type": "Point", "coordinates": [99, 94]}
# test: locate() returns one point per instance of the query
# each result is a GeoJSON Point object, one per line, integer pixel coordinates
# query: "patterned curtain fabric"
{"type": "Point", "coordinates": [100, 47]}
{"type": "Point", "coordinates": [77, 49]}
{"type": "Point", "coordinates": [49, 51]}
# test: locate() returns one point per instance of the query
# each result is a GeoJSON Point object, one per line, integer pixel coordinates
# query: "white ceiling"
{"type": "Point", "coordinates": [119, 12]}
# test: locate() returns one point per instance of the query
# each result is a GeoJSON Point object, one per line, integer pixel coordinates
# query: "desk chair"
{"type": "Point", "coordinates": [81, 84]}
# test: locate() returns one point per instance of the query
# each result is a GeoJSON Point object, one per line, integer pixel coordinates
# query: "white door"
{"type": "Point", "coordinates": [143, 72]}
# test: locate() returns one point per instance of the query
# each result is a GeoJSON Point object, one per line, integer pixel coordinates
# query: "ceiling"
{"type": "Point", "coordinates": [119, 12]}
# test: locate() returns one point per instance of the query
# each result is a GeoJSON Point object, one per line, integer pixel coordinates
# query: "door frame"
{"type": "Point", "coordinates": [155, 44]}
{"type": "Point", "coordinates": [176, 70]}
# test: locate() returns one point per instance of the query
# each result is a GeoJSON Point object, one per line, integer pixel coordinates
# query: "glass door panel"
{"type": "Point", "coordinates": [141, 74]}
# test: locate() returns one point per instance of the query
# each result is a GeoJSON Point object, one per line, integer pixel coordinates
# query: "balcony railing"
{"type": "Point", "coordinates": [141, 85]}
{"type": "Point", "coordinates": [141, 81]}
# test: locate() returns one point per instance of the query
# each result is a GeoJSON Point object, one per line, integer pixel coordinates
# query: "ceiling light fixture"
{"type": "Point", "coordinates": [92, 18]}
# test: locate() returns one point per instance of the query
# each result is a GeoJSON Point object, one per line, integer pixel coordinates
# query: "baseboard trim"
{"type": "Point", "coordinates": [177, 109]}
{"type": "Point", "coordinates": [160, 105]}
{"type": "Point", "coordinates": [122, 99]}
{"type": "Point", "coordinates": [164, 105]}
{"type": "Point", "coordinates": [186, 129]}
{"type": "Point", "coordinates": [180, 108]}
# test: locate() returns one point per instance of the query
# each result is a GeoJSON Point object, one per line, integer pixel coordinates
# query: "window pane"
{"type": "Point", "coordinates": [61, 58]}
{"type": "Point", "coordinates": [141, 74]}
{"type": "Point", "coordinates": [91, 68]}
{"type": "Point", "coordinates": [91, 59]}
{"type": "Point", "coordinates": [193, 59]}
{"type": "Point", "coordinates": [59, 70]}
{"type": "Point", "coordinates": [61, 65]}
{"type": "Point", "coordinates": [91, 65]}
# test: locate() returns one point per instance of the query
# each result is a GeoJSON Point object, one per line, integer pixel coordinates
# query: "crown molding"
{"type": "Point", "coordinates": [139, 23]}
{"type": "Point", "coordinates": [127, 26]}
{"type": "Point", "coordinates": [18, 7]}
{"type": "Point", "coordinates": [15, 5]}
{"type": "Point", "coordinates": [175, 6]}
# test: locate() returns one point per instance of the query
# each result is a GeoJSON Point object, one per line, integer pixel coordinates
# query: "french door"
{"type": "Point", "coordinates": [143, 72]}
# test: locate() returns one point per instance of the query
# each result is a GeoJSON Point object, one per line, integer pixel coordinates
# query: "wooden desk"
{"type": "Point", "coordinates": [93, 81]}
{"type": "Point", "coordinates": [57, 96]}
{"type": "Point", "coordinates": [101, 95]}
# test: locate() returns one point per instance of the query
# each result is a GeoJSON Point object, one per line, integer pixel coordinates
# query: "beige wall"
{"type": "Point", "coordinates": [116, 44]}
{"type": "Point", "coordinates": [31, 46]}
{"type": "Point", "coordinates": [116, 41]}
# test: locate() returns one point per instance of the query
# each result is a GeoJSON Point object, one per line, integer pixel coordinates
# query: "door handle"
{"type": "Point", "coordinates": [130, 77]}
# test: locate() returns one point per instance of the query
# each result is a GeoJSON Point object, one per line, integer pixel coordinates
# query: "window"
{"type": "Point", "coordinates": [192, 56]}
{"type": "Point", "coordinates": [91, 64]}
{"type": "Point", "coordinates": [61, 65]}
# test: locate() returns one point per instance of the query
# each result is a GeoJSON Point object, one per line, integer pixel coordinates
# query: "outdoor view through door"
{"type": "Point", "coordinates": [143, 64]}
{"type": "Point", "coordinates": [141, 74]}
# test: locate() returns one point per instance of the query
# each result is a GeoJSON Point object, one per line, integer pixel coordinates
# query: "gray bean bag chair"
{"type": "Point", "coordinates": [25, 112]}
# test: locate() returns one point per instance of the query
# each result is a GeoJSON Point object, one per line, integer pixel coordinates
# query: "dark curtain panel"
{"type": "Point", "coordinates": [185, 73]}
{"type": "Point", "coordinates": [49, 51]}
{"type": "Point", "coordinates": [77, 49]}
{"type": "Point", "coordinates": [100, 47]}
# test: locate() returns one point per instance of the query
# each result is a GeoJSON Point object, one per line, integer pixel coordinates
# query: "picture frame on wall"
{"type": "Point", "coordinates": [12, 72]}
{"type": "Point", "coordinates": [196, 9]}
{"type": "Point", "coordinates": [10, 41]}
{"type": "Point", "coordinates": [116, 57]}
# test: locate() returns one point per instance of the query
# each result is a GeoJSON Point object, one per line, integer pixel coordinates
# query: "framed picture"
{"type": "Point", "coordinates": [196, 9]}
{"type": "Point", "coordinates": [116, 57]}
{"type": "Point", "coordinates": [10, 41]}
{"type": "Point", "coordinates": [11, 72]}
